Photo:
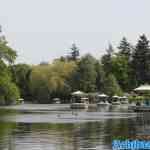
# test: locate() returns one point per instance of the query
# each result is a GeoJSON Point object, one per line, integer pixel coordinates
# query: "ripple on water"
{"type": "Point", "coordinates": [66, 117]}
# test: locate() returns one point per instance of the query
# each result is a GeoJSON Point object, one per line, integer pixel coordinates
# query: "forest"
{"type": "Point", "coordinates": [116, 72]}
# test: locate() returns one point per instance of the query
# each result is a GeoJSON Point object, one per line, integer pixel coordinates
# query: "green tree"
{"type": "Point", "coordinates": [107, 58]}
{"type": "Point", "coordinates": [125, 48]}
{"type": "Point", "coordinates": [74, 52]}
{"type": "Point", "coordinates": [111, 86]}
{"type": "Point", "coordinates": [86, 74]}
{"type": "Point", "coordinates": [100, 78]}
{"type": "Point", "coordinates": [39, 83]}
{"type": "Point", "coordinates": [21, 76]}
{"type": "Point", "coordinates": [141, 61]}
{"type": "Point", "coordinates": [51, 81]}
{"type": "Point", "coordinates": [9, 92]}
{"type": "Point", "coordinates": [121, 70]}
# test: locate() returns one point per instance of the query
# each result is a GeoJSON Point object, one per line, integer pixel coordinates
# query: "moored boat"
{"type": "Point", "coordinates": [115, 100]}
{"type": "Point", "coordinates": [79, 101]}
{"type": "Point", "coordinates": [103, 103]}
{"type": "Point", "coordinates": [116, 103]}
{"type": "Point", "coordinates": [103, 100]}
{"type": "Point", "coordinates": [124, 102]}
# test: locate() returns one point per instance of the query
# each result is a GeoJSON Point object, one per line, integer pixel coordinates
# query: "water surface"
{"type": "Point", "coordinates": [56, 127]}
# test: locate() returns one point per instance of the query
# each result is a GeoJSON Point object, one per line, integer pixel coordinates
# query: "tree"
{"type": "Point", "coordinates": [39, 83]}
{"type": "Point", "coordinates": [141, 61]}
{"type": "Point", "coordinates": [9, 92]}
{"type": "Point", "coordinates": [111, 86]}
{"type": "Point", "coordinates": [74, 52]}
{"type": "Point", "coordinates": [86, 74]}
{"type": "Point", "coordinates": [51, 81]}
{"type": "Point", "coordinates": [125, 48]}
{"type": "Point", "coordinates": [110, 49]}
{"type": "Point", "coordinates": [106, 59]}
{"type": "Point", "coordinates": [121, 70]}
{"type": "Point", "coordinates": [6, 53]}
{"type": "Point", "coordinates": [21, 76]}
{"type": "Point", "coordinates": [100, 78]}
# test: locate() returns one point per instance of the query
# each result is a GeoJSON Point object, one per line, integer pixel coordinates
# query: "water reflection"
{"type": "Point", "coordinates": [68, 130]}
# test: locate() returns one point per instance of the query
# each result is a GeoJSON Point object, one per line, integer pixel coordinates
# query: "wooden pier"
{"type": "Point", "coordinates": [140, 108]}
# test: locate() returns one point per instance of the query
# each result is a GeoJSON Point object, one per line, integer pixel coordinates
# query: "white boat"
{"type": "Point", "coordinates": [125, 102]}
{"type": "Point", "coordinates": [103, 103]}
{"type": "Point", "coordinates": [21, 100]}
{"type": "Point", "coordinates": [115, 100]}
{"type": "Point", "coordinates": [56, 101]}
{"type": "Point", "coordinates": [116, 103]}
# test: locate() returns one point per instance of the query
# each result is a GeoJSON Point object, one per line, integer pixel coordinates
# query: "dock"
{"type": "Point", "coordinates": [141, 108]}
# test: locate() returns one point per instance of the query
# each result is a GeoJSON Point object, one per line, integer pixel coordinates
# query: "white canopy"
{"type": "Point", "coordinates": [102, 95]}
{"type": "Point", "coordinates": [56, 99]}
{"type": "Point", "coordinates": [124, 97]}
{"type": "Point", "coordinates": [115, 96]}
{"type": "Point", "coordinates": [78, 93]}
{"type": "Point", "coordinates": [84, 98]}
{"type": "Point", "coordinates": [143, 88]}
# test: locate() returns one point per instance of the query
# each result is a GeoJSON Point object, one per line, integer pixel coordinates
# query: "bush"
{"type": "Point", "coordinates": [136, 98]}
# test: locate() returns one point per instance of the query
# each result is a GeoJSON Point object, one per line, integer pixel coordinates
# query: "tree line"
{"type": "Point", "coordinates": [117, 72]}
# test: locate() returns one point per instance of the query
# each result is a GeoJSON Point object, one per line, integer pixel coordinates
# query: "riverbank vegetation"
{"type": "Point", "coordinates": [117, 72]}
{"type": "Point", "coordinates": [9, 92]}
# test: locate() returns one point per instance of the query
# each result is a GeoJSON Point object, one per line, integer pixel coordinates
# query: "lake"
{"type": "Point", "coordinates": [57, 127]}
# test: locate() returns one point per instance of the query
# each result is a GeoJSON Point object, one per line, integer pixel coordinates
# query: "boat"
{"type": "Point", "coordinates": [80, 103]}
{"type": "Point", "coordinates": [102, 103]}
{"type": "Point", "coordinates": [56, 101]}
{"type": "Point", "coordinates": [115, 100]}
{"type": "Point", "coordinates": [21, 101]}
{"type": "Point", "coordinates": [115, 103]}
{"type": "Point", "coordinates": [125, 102]}
{"type": "Point", "coordinates": [103, 100]}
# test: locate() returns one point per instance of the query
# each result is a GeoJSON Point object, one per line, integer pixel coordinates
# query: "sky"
{"type": "Point", "coordinates": [42, 30]}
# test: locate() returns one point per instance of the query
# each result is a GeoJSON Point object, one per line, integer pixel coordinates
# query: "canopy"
{"type": "Point", "coordinates": [143, 88]}
{"type": "Point", "coordinates": [78, 93]}
{"type": "Point", "coordinates": [102, 95]}
{"type": "Point", "coordinates": [84, 98]}
{"type": "Point", "coordinates": [115, 96]}
{"type": "Point", "coordinates": [124, 97]}
{"type": "Point", "coordinates": [21, 99]}
{"type": "Point", "coordinates": [56, 99]}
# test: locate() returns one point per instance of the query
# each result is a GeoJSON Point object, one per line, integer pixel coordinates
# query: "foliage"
{"type": "Point", "coordinates": [111, 86]}
{"type": "Point", "coordinates": [141, 61]}
{"type": "Point", "coordinates": [86, 74]}
{"type": "Point", "coordinates": [125, 48]}
{"type": "Point", "coordinates": [100, 78]}
{"type": "Point", "coordinates": [74, 52]}
{"type": "Point", "coordinates": [9, 93]}
{"type": "Point", "coordinates": [136, 98]}
{"type": "Point", "coordinates": [21, 76]}
{"type": "Point", "coordinates": [50, 81]}
{"type": "Point", "coordinates": [116, 72]}
{"type": "Point", "coordinates": [106, 59]}
{"type": "Point", "coordinates": [121, 70]}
